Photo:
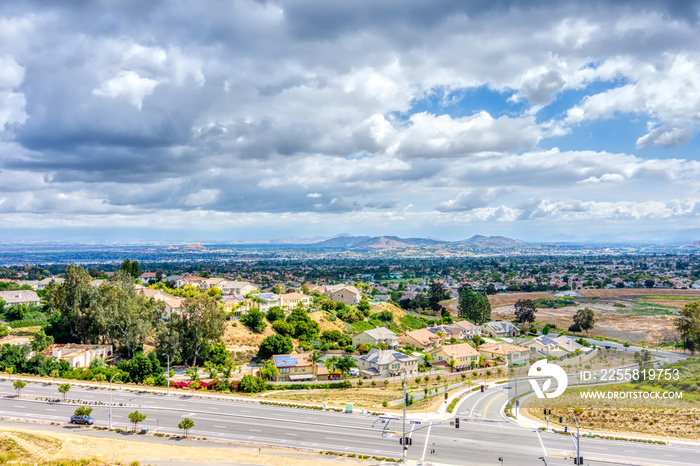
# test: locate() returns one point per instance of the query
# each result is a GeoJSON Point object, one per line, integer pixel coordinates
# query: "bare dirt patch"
{"type": "Point", "coordinates": [39, 445]}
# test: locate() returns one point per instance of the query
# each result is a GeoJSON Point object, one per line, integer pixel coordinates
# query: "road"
{"type": "Point", "coordinates": [484, 434]}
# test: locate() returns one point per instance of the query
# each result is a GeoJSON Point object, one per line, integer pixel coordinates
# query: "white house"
{"type": "Point", "coordinates": [80, 355]}
{"type": "Point", "coordinates": [17, 297]}
{"type": "Point", "coordinates": [386, 363]}
{"type": "Point", "coordinates": [375, 336]}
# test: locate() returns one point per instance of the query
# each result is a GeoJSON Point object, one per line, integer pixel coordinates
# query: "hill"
{"type": "Point", "coordinates": [490, 242]}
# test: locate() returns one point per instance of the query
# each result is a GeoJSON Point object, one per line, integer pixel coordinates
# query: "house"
{"type": "Point", "coordinates": [214, 282]}
{"type": "Point", "coordinates": [233, 303]}
{"type": "Point", "coordinates": [236, 288]}
{"type": "Point", "coordinates": [291, 300]}
{"type": "Point", "coordinates": [512, 354]}
{"type": "Point", "coordinates": [348, 294]}
{"type": "Point", "coordinates": [173, 305]}
{"type": "Point", "coordinates": [500, 329]}
{"type": "Point", "coordinates": [376, 336]}
{"type": "Point", "coordinates": [193, 280]}
{"type": "Point", "coordinates": [464, 355]}
{"type": "Point", "coordinates": [543, 346]}
{"type": "Point", "coordinates": [470, 330]}
{"type": "Point", "coordinates": [42, 284]}
{"type": "Point", "coordinates": [80, 355]}
{"type": "Point", "coordinates": [450, 331]}
{"type": "Point", "coordinates": [421, 338]}
{"type": "Point", "coordinates": [147, 276]}
{"type": "Point", "coordinates": [386, 363]}
{"type": "Point", "coordinates": [266, 301]}
{"type": "Point", "coordinates": [569, 344]}
{"type": "Point", "coordinates": [17, 297]}
{"type": "Point", "coordinates": [294, 367]}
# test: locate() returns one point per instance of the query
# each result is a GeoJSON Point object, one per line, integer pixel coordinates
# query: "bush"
{"type": "Point", "coordinates": [252, 384]}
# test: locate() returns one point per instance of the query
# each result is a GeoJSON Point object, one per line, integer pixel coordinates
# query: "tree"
{"type": "Point", "coordinates": [72, 319]}
{"type": "Point", "coordinates": [649, 283]}
{"type": "Point", "coordinates": [19, 385]}
{"type": "Point", "coordinates": [83, 411]}
{"type": "Point", "coordinates": [254, 319]}
{"type": "Point", "coordinates": [267, 370]}
{"type": "Point", "coordinates": [472, 306]}
{"type": "Point", "coordinates": [345, 363]}
{"type": "Point", "coordinates": [305, 328]}
{"type": "Point", "coordinates": [363, 306]}
{"type": "Point", "coordinates": [331, 362]}
{"type": "Point", "coordinates": [136, 418]}
{"type": "Point", "coordinates": [186, 424]}
{"type": "Point", "coordinates": [64, 388]}
{"type": "Point", "coordinates": [131, 268]}
{"type": "Point", "coordinates": [200, 320]}
{"type": "Point", "coordinates": [688, 325]}
{"type": "Point", "coordinates": [4, 329]}
{"type": "Point", "coordinates": [643, 358]}
{"type": "Point", "coordinates": [584, 319]}
{"type": "Point", "coordinates": [436, 294]}
{"type": "Point", "coordinates": [99, 378]}
{"type": "Point", "coordinates": [546, 329]}
{"type": "Point", "coordinates": [275, 313]}
{"type": "Point", "coordinates": [41, 341]}
{"type": "Point", "coordinates": [525, 310]}
{"type": "Point", "coordinates": [275, 344]}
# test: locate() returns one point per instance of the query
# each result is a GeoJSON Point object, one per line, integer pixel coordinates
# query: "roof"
{"type": "Point", "coordinates": [267, 296]}
{"type": "Point", "coordinates": [291, 296]}
{"type": "Point", "coordinates": [545, 340]}
{"type": "Point", "coordinates": [382, 357]}
{"type": "Point", "coordinates": [290, 360]}
{"type": "Point", "coordinates": [19, 296]}
{"type": "Point", "coordinates": [423, 336]}
{"type": "Point", "coordinates": [466, 325]}
{"type": "Point", "coordinates": [380, 333]}
{"type": "Point", "coordinates": [502, 348]}
{"type": "Point", "coordinates": [457, 351]}
{"type": "Point", "coordinates": [501, 326]}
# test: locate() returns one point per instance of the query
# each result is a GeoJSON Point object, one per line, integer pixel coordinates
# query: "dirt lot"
{"type": "Point", "coordinates": [33, 445]}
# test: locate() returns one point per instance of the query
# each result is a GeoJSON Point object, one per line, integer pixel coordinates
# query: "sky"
{"type": "Point", "coordinates": [239, 119]}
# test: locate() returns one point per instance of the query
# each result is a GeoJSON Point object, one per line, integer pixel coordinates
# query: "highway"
{"type": "Point", "coordinates": [484, 435]}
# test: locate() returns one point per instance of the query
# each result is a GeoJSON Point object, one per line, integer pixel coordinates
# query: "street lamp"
{"type": "Point", "coordinates": [110, 398]}
{"type": "Point", "coordinates": [168, 377]}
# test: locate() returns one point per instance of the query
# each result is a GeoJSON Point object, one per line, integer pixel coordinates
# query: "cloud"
{"type": "Point", "coordinates": [471, 199]}
{"type": "Point", "coordinates": [201, 197]}
{"type": "Point", "coordinates": [128, 85]}
{"type": "Point", "coordinates": [11, 73]}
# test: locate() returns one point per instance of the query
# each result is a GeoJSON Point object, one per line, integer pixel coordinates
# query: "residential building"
{"type": "Point", "coordinates": [42, 284]}
{"type": "Point", "coordinates": [348, 294]}
{"type": "Point", "coordinates": [194, 280]}
{"type": "Point", "coordinates": [17, 297]}
{"type": "Point", "coordinates": [500, 329]}
{"type": "Point", "coordinates": [470, 330]}
{"type": "Point", "coordinates": [450, 331]}
{"type": "Point", "coordinates": [386, 363]}
{"type": "Point", "coordinates": [268, 300]}
{"type": "Point", "coordinates": [421, 338]}
{"type": "Point", "coordinates": [511, 354]}
{"type": "Point", "coordinates": [80, 355]}
{"type": "Point", "coordinates": [376, 336]}
{"type": "Point", "coordinates": [294, 367]}
{"type": "Point", "coordinates": [147, 276]}
{"type": "Point", "coordinates": [291, 300]}
{"type": "Point", "coordinates": [463, 354]}
{"type": "Point", "coordinates": [569, 344]}
{"type": "Point", "coordinates": [236, 288]}
{"type": "Point", "coordinates": [542, 346]}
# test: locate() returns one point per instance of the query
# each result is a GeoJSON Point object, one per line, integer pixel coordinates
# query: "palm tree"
{"type": "Point", "coordinates": [331, 363]}
{"type": "Point", "coordinates": [452, 364]}
{"type": "Point", "coordinates": [315, 358]}
{"type": "Point", "coordinates": [345, 363]}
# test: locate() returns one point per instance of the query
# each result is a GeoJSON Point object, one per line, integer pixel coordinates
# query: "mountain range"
{"type": "Point", "coordinates": [394, 242]}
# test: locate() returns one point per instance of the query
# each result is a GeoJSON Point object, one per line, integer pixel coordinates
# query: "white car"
{"type": "Point", "coordinates": [354, 373]}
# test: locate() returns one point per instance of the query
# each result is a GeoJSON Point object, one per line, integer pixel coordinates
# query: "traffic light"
{"type": "Point", "coordinates": [566, 430]}
{"type": "Point", "coordinates": [578, 460]}
{"type": "Point", "coordinates": [405, 441]}
{"type": "Point", "coordinates": [482, 388]}
{"type": "Point", "coordinates": [456, 423]}
{"type": "Point", "coordinates": [561, 419]}
{"type": "Point", "coordinates": [446, 396]}
{"type": "Point", "coordinates": [550, 412]}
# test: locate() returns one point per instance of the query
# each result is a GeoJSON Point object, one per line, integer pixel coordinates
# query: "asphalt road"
{"type": "Point", "coordinates": [484, 435]}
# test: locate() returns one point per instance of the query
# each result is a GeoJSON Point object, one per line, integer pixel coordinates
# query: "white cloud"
{"type": "Point", "coordinates": [202, 197]}
{"type": "Point", "coordinates": [11, 73]}
{"type": "Point", "coordinates": [12, 108]}
{"type": "Point", "coordinates": [127, 85]}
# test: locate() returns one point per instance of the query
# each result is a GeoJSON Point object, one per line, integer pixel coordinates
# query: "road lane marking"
{"type": "Point", "coordinates": [489, 403]}
{"type": "Point", "coordinates": [427, 437]}
{"type": "Point", "coordinates": [541, 443]}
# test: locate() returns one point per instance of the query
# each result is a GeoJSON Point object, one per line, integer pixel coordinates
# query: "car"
{"type": "Point", "coordinates": [354, 373]}
{"type": "Point", "coordinates": [81, 419]}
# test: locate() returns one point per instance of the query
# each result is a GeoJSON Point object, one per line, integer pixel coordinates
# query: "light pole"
{"type": "Point", "coordinates": [403, 435]}
{"type": "Point", "coordinates": [578, 438]}
{"type": "Point", "coordinates": [110, 399]}
{"type": "Point", "coordinates": [167, 393]}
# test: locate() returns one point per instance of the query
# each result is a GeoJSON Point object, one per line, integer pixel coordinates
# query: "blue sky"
{"type": "Point", "coordinates": [207, 120]}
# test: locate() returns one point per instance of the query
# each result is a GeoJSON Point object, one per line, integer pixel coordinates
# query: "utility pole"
{"type": "Point", "coordinates": [110, 399]}
{"type": "Point", "coordinates": [168, 375]}
{"type": "Point", "coordinates": [403, 435]}
{"type": "Point", "coordinates": [516, 398]}
{"type": "Point", "coordinates": [578, 438]}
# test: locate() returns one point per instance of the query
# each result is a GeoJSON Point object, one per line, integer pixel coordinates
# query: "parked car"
{"type": "Point", "coordinates": [87, 420]}
{"type": "Point", "coordinates": [354, 373]}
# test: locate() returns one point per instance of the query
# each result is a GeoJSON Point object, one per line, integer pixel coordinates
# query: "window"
{"type": "Point", "coordinates": [284, 370]}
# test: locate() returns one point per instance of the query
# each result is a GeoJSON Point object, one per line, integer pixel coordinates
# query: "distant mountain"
{"type": "Point", "coordinates": [343, 241]}
{"type": "Point", "coordinates": [694, 244]}
{"type": "Point", "coordinates": [490, 242]}
{"type": "Point", "coordinates": [394, 242]}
